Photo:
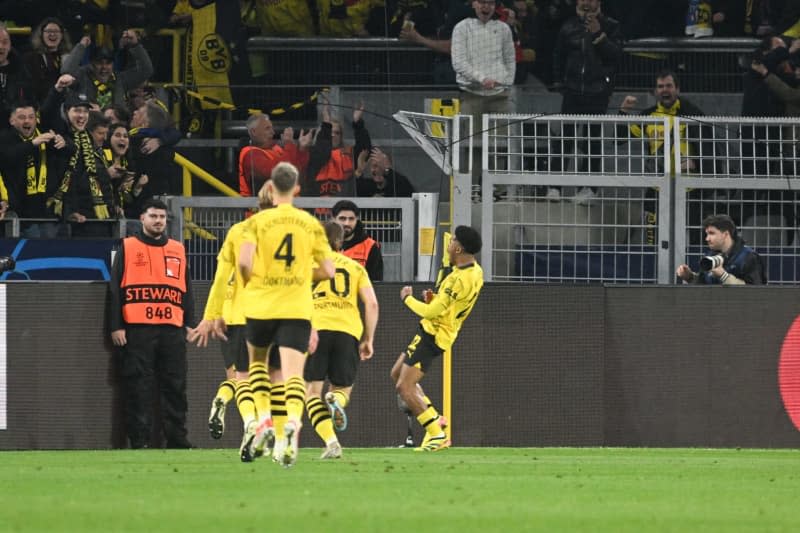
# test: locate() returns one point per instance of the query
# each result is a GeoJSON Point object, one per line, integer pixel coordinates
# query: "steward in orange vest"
{"type": "Point", "coordinates": [257, 160]}
{"type": "Point", "coordinates": [150, 304]}
{"type": "Point", "coordinates": [331, 165]}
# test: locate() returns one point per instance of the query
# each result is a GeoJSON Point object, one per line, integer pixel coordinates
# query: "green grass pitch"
{"type": "Point", "coordinates": [373, 490]}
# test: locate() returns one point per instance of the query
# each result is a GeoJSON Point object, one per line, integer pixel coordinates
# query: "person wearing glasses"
{"type": "Point", "coordinates": [49, 44]}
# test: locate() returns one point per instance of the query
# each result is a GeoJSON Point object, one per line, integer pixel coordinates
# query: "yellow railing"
{"type": "Point", "coordinates": [190, 169]}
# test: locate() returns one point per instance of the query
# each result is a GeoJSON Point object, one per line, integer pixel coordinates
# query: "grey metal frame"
{"type": "Point", "coordinates": [407, 254]}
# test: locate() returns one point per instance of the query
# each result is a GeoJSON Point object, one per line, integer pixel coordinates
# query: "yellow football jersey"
{"type": "Point", "coordinates": [224, 297]}
{"type": "Point", "coordinates": [336, 300]}
{"type": "Point", "coordinates": [288, 241]}
{"type": "Point", "coordinates": [444, 316]}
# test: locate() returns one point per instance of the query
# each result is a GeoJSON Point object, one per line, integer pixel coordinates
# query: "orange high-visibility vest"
{"type": "Point", "coordinates": [360, 252]}
{"type": "Point", "coordinates": [153, 283]}
{"type": "Point", "coordinates": [337, 171]}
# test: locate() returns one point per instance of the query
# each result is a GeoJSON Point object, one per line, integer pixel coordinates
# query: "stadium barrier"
{"type": "Point", "coordinates": [390, 221]}
{"type": "Point", "coordinates": [535, 365]}
{"type": "Point", "coordinates": [593, 189]}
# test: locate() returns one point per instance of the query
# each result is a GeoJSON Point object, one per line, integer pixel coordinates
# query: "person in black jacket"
{"type": "Point", "coordinates": [150, 308]}
{"type": "Point", "coordinates": [27, 157]}
{"type": "Point", "coordinates": [377, 178]}
{"type": "Point", "coordinates": [15, 80]}
{"type": "Point", "coordinates": [587, 51]}
{"type": "Point", "coordinates": [733, 263]}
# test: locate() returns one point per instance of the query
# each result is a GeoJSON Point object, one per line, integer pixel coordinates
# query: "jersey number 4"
{"type": "Point", "coordinates": [284, 252]}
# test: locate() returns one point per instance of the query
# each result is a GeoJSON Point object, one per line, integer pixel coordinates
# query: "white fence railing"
{"type": "Point", "coordinates": [621, 198]}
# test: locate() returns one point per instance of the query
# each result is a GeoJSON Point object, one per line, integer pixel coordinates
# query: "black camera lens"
{"type": "Point", "coordinates": [7, 263]}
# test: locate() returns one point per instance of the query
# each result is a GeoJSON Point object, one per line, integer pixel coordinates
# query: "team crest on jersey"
{"type": "Point", "coordinates": [173, 267]}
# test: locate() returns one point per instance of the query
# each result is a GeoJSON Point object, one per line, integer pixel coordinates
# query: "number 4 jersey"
{"type": "Point", "coordinates": [288, 242]}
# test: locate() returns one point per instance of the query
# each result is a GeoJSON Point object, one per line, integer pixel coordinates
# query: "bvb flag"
{"type": "Point", "coordinates": [210, 49]}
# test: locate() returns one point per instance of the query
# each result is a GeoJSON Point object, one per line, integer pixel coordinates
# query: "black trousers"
{"type": "Point", "coordinates": [154, 360]}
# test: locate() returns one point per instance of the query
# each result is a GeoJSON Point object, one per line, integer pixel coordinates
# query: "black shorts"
{"type": "Point", "coordinates": [422, 351]}
{"type": "Point", "coordinates": [336, 359]}
{"type": "Point", "coordinates": [234, 350]}
{"type": "Point", "coordinates": [288, 332]}
{"type": "Point", "coordinates": [274, 357]}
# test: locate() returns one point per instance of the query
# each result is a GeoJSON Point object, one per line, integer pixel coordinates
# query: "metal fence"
{"type": "Point", "coordinates": [202, 223]}
{"type": "Point", "coordinates": [621, 199]}
{"type": "Point", "coordinates": [704, 65]}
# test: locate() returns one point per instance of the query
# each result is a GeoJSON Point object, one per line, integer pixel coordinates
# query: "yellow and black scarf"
{"type": "Point", "coordinates": [84, 150]}
{"type": "Point", "coordinates": [36, 178]}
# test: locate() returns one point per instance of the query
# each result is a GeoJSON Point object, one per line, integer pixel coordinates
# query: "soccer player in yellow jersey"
{"type": "Point", "coordinates": [342, 340]}
{"type": "Point", "coordinates": [279, 248]}
{"type": "Point", "coordinates": [223, 319]}
{"type": "Point", "coordinates": [441, 321]}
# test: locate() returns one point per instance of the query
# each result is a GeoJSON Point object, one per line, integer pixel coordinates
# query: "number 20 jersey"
{"type": "Point", "coordinates": [288, 242]}
{"type": "Point", "coordinates": [336, 300]}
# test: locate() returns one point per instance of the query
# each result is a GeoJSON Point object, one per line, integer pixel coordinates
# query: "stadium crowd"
{"type": "Point", "coordinates": [86, 139]}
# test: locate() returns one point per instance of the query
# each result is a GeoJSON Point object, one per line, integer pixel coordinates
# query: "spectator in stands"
{"type": "Point", "coordinates": [117, 114]}
{"type": "Point", "coordinates": [587, 51]}
{"type": "Point", "coordinates": [523, 21]}
{"type": "Point", "coordinates": [151, 152]}
{"type": "Point", "coordinates": [383, 180]}
{"type": "Point", "coordinates": [739, 264]}
{"type": "Point", "coordinates": [84, 193]}
{"type": "Point", "coordinates": [257, 160]}
{"type": "Point", "coordinates": [15, 80]}
{"type": "Point", "coordinates": [485, 63]}
{"type": "Point", "coordinates": [669, 103]}
{"type": "Point", "coordinates": [98, 80]}
{"type": "Point", "coordinates": [128, 185]}
{"type": "Point", "coordinates": [49, 44]}
{"type": "Point", "coordinates": [332, 163]}
{"type": "Point", "coordinates": [357, 245]}
{"type": "Point", "coordinates": [774, 17]}
{"type": "Point", "coordinates": [761, 157]}
{"type": "Point", "coordinates": [26, 164]}
{"type": "Point", "coordinates": [782, 79]}
{"type": "Point", "coordinates": [351, 18]}
{"type": "Point", "coordinates": [438, 41]}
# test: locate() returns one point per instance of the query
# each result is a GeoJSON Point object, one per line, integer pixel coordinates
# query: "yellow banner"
{"type": "Point", "coordinates": [211, 57]}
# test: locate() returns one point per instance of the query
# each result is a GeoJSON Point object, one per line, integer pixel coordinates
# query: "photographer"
{"type": "Point", "coordinates": [730, 261]}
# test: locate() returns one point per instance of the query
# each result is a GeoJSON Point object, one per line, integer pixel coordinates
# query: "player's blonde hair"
{"type": "Point", "coordinates": [265, 196]}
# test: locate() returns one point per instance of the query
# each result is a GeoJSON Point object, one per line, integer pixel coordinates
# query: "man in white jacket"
{"type": "Point", "coordinates": [482, 51]}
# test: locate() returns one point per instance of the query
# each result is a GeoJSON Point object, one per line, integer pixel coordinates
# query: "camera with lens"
{"type": "Point", "coordinates": [711, 262]}
{"type": "Point", "coordinates": [7, 263]}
